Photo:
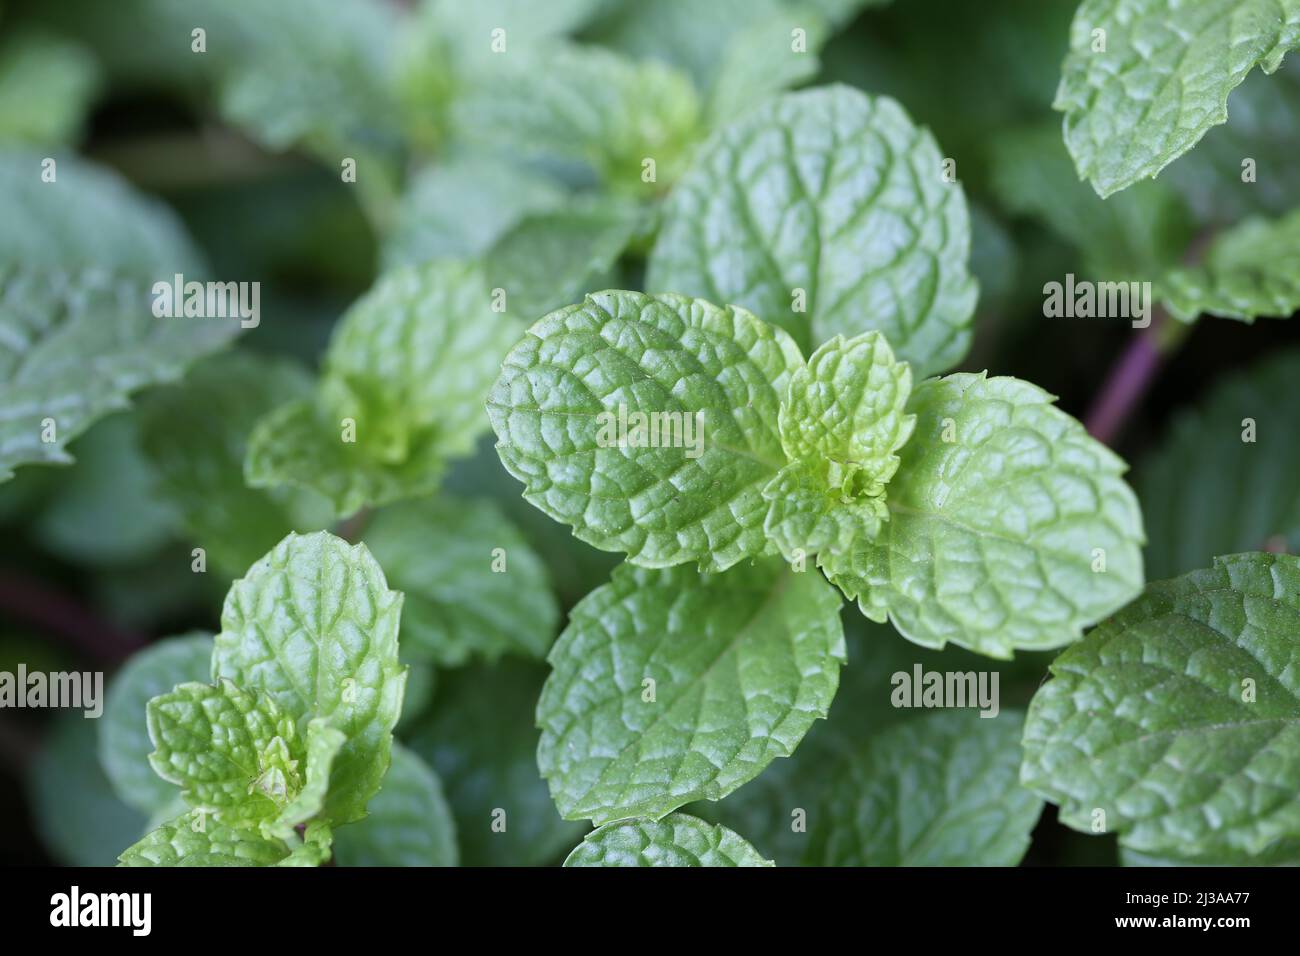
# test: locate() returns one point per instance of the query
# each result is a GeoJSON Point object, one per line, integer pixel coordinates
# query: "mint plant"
{"type": "Point", "coordinates": [646, 450]}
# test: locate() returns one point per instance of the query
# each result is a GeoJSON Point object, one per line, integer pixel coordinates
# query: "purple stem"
{"type": "Point", "coordinates": [57, 614]}
{"type": "Point", "coordinates": [1128, 381]}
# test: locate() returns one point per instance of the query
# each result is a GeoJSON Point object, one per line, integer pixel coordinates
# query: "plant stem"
{"type": "Point", "coordinates": [58, 614]}
{"type": "Point", "coordinates": [351, 528]}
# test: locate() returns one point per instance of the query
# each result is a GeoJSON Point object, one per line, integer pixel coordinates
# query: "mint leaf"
{"type": "Point", "coordinates": [676, 840]}
{"type": "Point", "coordinates": [739, 664]}
{"type": "Point", "coordinates": [826, 212]}
{"type": "Point", "coordinates": [481, 739]}
{"type": "Point", "coordinates": [313, 625]}
{"type": "Point", "coordinates": [409, 823]}
{"type": "Point", "coordinates": [1002, 514]}
{"type": "Point", "coordinates": [553, 258]}
{"type": "Point", "coordinates": [232, 752]}
{"type": "Point", "coordinates": [1177, 718]}
{"type": "Point", "coordinates": [1174, 723]}
{"type": "Point", "coordinates": [1162, 79]}
{"type": "Point", "coordinates": [841, 424]}
{"type": "Point", "coordinates": [582, 373]}
{"type": "Point", "coordinates": [78, 258]}
{"type": "Point", "coordinates": [124, 744]}
{"type": "Point", "coordinates": [938, 790]}
{"type": "Point", "coordinates": [1205, 489]}
{"type": "Point", "coordinates": [527, 26]}
{"type": "Point", "coordinates": [323, 745]}
{"type": "Point", "coordinates": [401, 391]}
{"type": "Point", "coordinates": [1250, 271]}
{"type": "Point", "coordinates": [472, 584]}
{"type": "Point", "coordinates": [584, 105]}
{"type": "Point", "coordinates": [461, 207]}
{"type": "Point", "coordinates": [196, 434]}
{"type": "Point", "coordinates": [195, 839]}
{"type": "Point", "coordinates": [765, 57]}
{"type": "Point", "coordinates": [46, 87]}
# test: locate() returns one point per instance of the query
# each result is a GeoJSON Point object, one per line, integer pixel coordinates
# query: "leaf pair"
{"type": "Point", "coordinates": [677, 431]}
{"type": "Point", "coordinates": [297, 728]}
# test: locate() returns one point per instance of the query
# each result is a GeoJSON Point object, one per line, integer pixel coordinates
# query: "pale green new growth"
{"type": "Point", "coordinates": [940, 790]}
{"type": "Point", "coordinates": [1179, 718]}
{"type": "Point", "coordinates": [676, 840]}
{"type": "Point", "coordinates": [1145, 79]}
{"type": "Point", "coordinates": [826, 212]}
{"type": "Point", "coordinates": [672, 686]}
{"type": "Point", "coordinates": [649, 424]}
{"type": "Point", "coordinates": [841, 424]}
{"type": "Point", "coordinates": [1009, 526]}
{"type": "Point", "coordinates": [232, 752]}
{"type": "Point", "coordinates": [1252, 270]}
{"type": "Point", "coordinates": [314, 626]}
{"type": "Point", "coordinates": [195, 839]}
{"type": "Point", "coordinates": [401, 391]}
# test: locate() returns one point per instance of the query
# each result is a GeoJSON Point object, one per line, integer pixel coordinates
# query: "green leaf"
{"type": "Point", "coordinates": [463, 598]}
{"type": "Point", "coordinates": [764, 58]}
{"type": "Point", "coordinates": [124, 744]}
{"type": "Point", "coordinates": [409, 364]}
{"type": "Point", "coordinates": [1002, 514]}
{"type": "Point", "coordinates": [314, 626]}
{"type": "Point", "coordinates": [231, 751]}
{"type": "Point", "coordinates": [713, 378]}
{"type": "Point", "coordinates": [826, 212]}
{"type": "Point", "coordinates": [410, 823]}
{"type": "Point", "coordinates": [671, 686]}
{"type": "Point", "coordinates": [103, 510]}
{"type": "Point", "coordinates": [481, 739]}
{"type": "Point", "coordinates": [195, 839]}
{"type": "Point", "coordinates": [73, 808]}
{"type": "Point", "coordinates": [1179, 718]}
{"type": "Point", "coordinates": [938, 790]}
{"type": "Point", "coordinates": [323, 745]}
{"type": "Point", "coordinates": [585, 105]}
{"type": "Point", "coordinates": [676, 840]}
{"type": "Point", "coordinates": [46, 87]}
{"type": "Point", "coordinates": [1205, 489]}
{"type": "Point", "coordinates": [555, 257]}
{"type": "Point", "coordinates": [841, 424]}
{"type": "Point", "coordinates": [78, 257]}
{"type": "Point", "coordinates": [1250, 271]}
{"type": "Point", "coordinates": [461, 207]}
{"type": "Point", "coordinates": [527, 26]}
{"type": "Point", "coordinates": [1140, 234]}
{"type": "Point", "coordinates": [1162, 79]}
{"type": "Point", "coordinates": [195, 434]}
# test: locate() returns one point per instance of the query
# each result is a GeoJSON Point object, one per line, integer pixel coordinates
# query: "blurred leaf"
{"type": "Point", "coordinates": [409, 822]}
{"type": "Point", "coordinates": [528, 26]}
{"type": "Point", "coordinates": [762, 60]}
{"type": "Point", "coordinates": [481, 740]}
{"type": "Point", "coordinates": [76, 812]}
{"type": "Point", "coordinates": [942, 790]}
{"type": "Point", "coordinates": [196, 434]}
{"type": "Point", "coordinates": [1206, 491]}
{"type": "Point", "coordinates": [459, 208]}
{"type": "Point", "coordinates": [46, 88]}
{"type": "Point", "coordinates": [442, 553]}
{"type": "Point", "coordinates": [78, 257]}
{"type": "Point", "coordinates": [554, 258]}
{"type": "Point", "coordinates": [104, 510]}
{"type": "Point", "coordinates": [1138, 234]}
{"type": "Point", "coordinates": [1250, 271]}
{"type": "Point", "coordinates": [586, 105]}
{"type": "Point", "coordinates": [124, 744]}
